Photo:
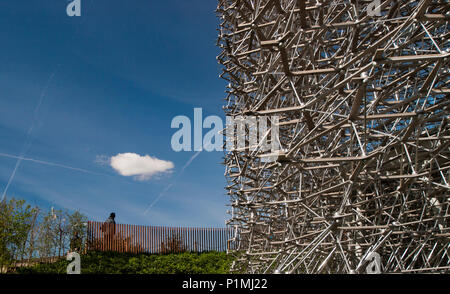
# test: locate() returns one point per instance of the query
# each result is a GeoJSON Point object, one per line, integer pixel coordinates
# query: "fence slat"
{"type": "Point", "coordinates": [203, 239]}
{"type": "Point", "coordinates": [135, 238]}
{"type": "Point", "coordinates": [191, 239]}
{"type": "Point", "coordinates": [141, 239]}
{"type": "Point", "coordinates": [154, 240]}
{"type": "Point", "coordinates": [129, 240]}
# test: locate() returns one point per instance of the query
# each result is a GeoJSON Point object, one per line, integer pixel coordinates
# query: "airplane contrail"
{"type": "Point", "coordinates": [167, 188]}
{"type": "Point", "coordinates": [28, 141]}
{"type": "Point", "coordinates": [188, 163]}
{"type": "Point", "coordinates": [157, 198]}
{"type": "Point", "coordinates": [21, 158]}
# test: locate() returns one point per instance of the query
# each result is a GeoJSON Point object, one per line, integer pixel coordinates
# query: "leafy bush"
{"type": "Point", "coordinates": [97, 262]}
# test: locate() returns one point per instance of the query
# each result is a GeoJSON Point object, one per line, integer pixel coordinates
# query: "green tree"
{"type": "Point", "coordinates": [77, 231]}
{"type": "Point", "coordinates": [61, 231]}
{"type": "Point", "coordinates": [26, 232]}
{"type": "Point", "coordinates": [16, 219]}
{"type": "Point", "coordinates": [47, 236]}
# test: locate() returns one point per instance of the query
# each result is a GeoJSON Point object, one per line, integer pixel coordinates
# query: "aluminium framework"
{"type": "Point", "coordinates": [361, 92]}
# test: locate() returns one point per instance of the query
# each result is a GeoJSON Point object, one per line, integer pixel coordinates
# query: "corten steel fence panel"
{"type": "Point", "coordinates": [152, 239]}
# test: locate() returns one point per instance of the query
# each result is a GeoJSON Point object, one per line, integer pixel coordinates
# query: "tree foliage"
{"type": "Point", "coordinates": [16, 220]}
{"type": "Point", "coordinates": [27, 233]}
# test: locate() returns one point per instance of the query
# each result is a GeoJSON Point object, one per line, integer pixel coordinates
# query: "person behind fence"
{"type": "Point", "coordinates": [109, 230]}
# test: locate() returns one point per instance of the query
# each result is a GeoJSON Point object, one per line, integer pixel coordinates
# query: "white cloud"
{"type": "Point", "coordinates": [142, 167]}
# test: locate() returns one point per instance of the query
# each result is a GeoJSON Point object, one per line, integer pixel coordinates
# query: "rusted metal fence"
{"type": "Point", "coordinates": [152, 239]}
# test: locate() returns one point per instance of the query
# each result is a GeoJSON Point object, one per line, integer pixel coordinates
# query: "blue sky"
{"type": "Point", "coordinates": [74, 90]}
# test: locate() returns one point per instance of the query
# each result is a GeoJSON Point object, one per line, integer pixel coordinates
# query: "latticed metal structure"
{"type": "Point", "coordinates": [361, 91]}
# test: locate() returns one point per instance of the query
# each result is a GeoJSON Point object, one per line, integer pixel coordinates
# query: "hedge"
{"type": "Point", "coordinates": [96, 262]}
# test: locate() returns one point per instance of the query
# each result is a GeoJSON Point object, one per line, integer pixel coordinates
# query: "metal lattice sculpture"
{"type": "Point", "coordinates": [361, 90]}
